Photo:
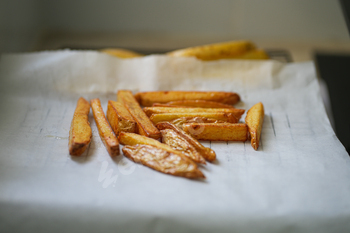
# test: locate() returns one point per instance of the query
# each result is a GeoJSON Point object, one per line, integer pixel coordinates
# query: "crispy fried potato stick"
{"type": "Point", "coordinates": [144, 125]}
{"type": "Point", "coordinates": [121, 53]}
{"type": "Point", "coordinates": [207, 153]}
{"type": "Point", "coordinates": [119, 118]}
{"type": "Point", "coordinates": [163, 161]}
{"type": "Point", "coordinates": [222, 116]}
{"type": "Point", "coordinates": [256, 54]}
{"type": "Point", "coordinates": [254, 120]}
{"type": "Point", "coordinates": [217, 132]}
{"type": "Point", "coordinates": [178, 143]}
{"type": "Point", "coordinates": [216, 51]}
{"type": "Point", "coordinates": [148, 98]}
{"type": "Point", "coordinates": [80, 131]}
{"type": "Point", "coordinates": [106, 133]}
{"type": "Point", "coordinates": [199, 104]}
{"type": "Point", "coordinates": [152, 110]}
{"type": "Point", "coordinates": [180, 121]}
{"type": "Point", "coordinates": [168, 105]}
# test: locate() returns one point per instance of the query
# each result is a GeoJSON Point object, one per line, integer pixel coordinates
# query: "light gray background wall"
{"type": "Point", "coordinates": [22, 21]}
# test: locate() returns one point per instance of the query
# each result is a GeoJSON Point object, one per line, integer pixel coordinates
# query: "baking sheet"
{"type": "Point", "coordinates": [297, 181]}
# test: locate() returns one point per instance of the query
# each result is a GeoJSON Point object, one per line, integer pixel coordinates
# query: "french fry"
{"type": "Point", "coordinates": [178, 143]}
{"type": "Point", "coordinates": [144, 124]}
{"type": "Point", "coordinates": [217, 132]}
{"type": "Point", "coordinates": [222, 116]}
{"type": "Point", "coordinates": [80, 131]}
{"type": "Point", "coordinates": [254, 120]}
{"type": "Point", "coordinates": [180, 121]}
{"type": "Point", "coordinates": [216, 51]}
{"type": "Point", "coordinates": [106, 133]}
{"type": "Point", "coordinates": [148, 98]}
{"type": "Point", "coordinates": [256, 54]}
{"type": "Point", "coordinates": [206, 152]}
{"type": "Point", "coordinates": [168, 105]}
{"type": "Point", "coordinates": [163, 161]}
{"type": "Point", "coordinates": [199, 104]}
{"type": "Point", "coordinates": [121, 53]}
{"type": "Point", "coordinates": [119, 118]}
{"type": "Point", "coordinates": [153, 110]}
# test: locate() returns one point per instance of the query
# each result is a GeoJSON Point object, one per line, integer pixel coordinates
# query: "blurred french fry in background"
{"type": "Point", "coordinates": [121, 53]}
{"type": "Point", "coordinates": [224, 50]}
{"type": "Point", "coordinates": [255, 120]}
{"type": "Point", "coordinates": [147, 99]}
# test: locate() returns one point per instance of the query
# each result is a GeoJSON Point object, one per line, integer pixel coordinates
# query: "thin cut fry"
{"type": "Point", "coordinates": [163, 161]}
{"type": "Point", "coordinates": [148, 98]}
{"type": "Point", "coordinates": [216, 51]}
{"type": "Point", "coordinates": [222, 116]}
{"type": "Point", "coordinates": [180, 121]}
{"type": "Point", "coordinates": [119, 118]}
{"type": "Point", "coordinates": [80, 131]}
{"type": "Point", "coordinates": [144, 124]}
{"type": "Point", "coordinates": [207, 153]}
{"type": "Point", "coordinates": [178, 143]}
{"type": "Point", "coordinates": [199, 104]}
{"type": "Point", "coordinates": [106, 133]}
{"type": "Point", "coordinates": [152, 110]}
{"type": "Point", "coordinates": [217, 132]}
{"type": "Point", "coordinates": [254, 120]}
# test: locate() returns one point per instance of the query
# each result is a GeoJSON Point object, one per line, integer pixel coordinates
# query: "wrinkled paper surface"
{"type": "Point", "coordinates": [297, 181]}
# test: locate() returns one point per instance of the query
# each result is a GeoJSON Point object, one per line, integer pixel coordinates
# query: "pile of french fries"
{"type": "Point", "coordinates": [164, 134]}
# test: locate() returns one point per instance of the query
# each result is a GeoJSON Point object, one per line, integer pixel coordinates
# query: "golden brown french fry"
{"type": "Point", "coordinates": [199, 104]}
{"type": "Point", "coordinates": [80, 131]}
{"type": "Point", "coordinates": [119, 118]}
{"type": "Point", "coordinates": [254, 120]}
{"type": "Point", "coordinates": [180, 121]}
{"type": "Point", "coordinates": [217, 132]}
{"type": "Point", "coordinates": [206, 152]}
{"type": "Point", "coordinates": [178, 143]}
{"type": "Point", "coordinates": [168, 105]}
{"type": "Point", "coordinates": [222, 116]}
{"type": "Point", "coordinates": [106, 133]}
{"type": "Point", "coordinates": [121, 53]}
{"type": "Point", "coordinates": [216, 51]}
{"type": "Point", "coordinates": [163, 161]}
{"type": "Point", "coordinates": [144, 125]}
{"type": "Point", "coordinates": [153, 110]}
{"type": "Point", "coordinates": [148, 98]}
{"type": "Point", "coordinates": [256, 54]}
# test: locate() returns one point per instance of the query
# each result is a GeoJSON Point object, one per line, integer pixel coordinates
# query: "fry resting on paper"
{"type": "Point", "coordinates": [217, 132]}
{"type": "Point", "coordinates": [199, 104]}
{"type": "Point", "coordinates": [121, 53]}
{"type": "Point", "coordinates": [148, 98]}
{"type": "Point", "coordinates": [221, 116]}
{"type": "Point", "coordinates": [235, 111]}
{"type": "Point", "coordinates": [119, 118]}
{"type": "Point", "coordinates": [106, 133]}
{"type": "Point", "coordinates": [80, 131]}
{"type": "Point", "coordinates": [180, 121]}
{"type": "Point", "coordinates": [144, 125]}
{"type": "Point", "coordinates": [206, 152]}
{"type": "Point", "coordinates": [163, 161]}
{"type": "Point", "coordinates": [254, 120]}
{"type": "Point", "coordinates": [178, 143]}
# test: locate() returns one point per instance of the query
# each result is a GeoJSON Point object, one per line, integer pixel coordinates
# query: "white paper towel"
{"type": "Point", "coordinates": [298, 180]}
